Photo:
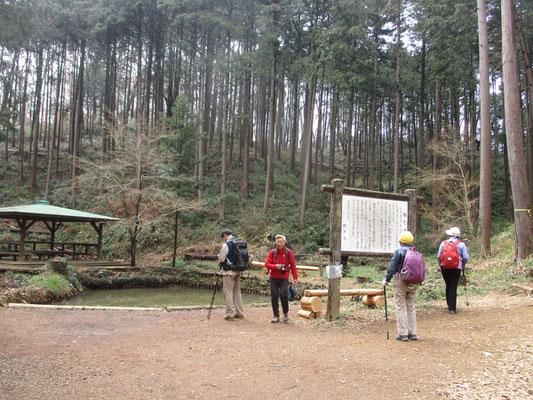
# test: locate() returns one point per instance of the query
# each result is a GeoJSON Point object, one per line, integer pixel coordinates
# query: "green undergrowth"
{"type": "Point", "coordinates": [40, 288]}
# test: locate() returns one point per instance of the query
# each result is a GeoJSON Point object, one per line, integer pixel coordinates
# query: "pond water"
{"type": "Point", "coordinates": [155, 297]}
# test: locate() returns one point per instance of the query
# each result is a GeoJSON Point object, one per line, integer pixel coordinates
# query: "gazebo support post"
{"type": "Point", "coordinates": [99, 230]}
{"type": "Point", "coordinates": [53, 229]}
{"type": "Point", "coordinates": [24, 226]}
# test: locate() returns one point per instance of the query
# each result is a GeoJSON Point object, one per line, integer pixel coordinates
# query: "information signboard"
{"type": "Point", "coordinates": [372, 225]}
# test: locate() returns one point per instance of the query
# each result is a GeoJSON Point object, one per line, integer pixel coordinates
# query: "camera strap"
{"type": "Point", "coordinates": [287, 259]}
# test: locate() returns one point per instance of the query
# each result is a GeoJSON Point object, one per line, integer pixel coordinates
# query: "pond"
{"type": "Point", "coordinates": [155, 297]}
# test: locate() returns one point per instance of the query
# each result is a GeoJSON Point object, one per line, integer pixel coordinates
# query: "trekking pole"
{"type": "Point", "coordinates": [464, 284]}
{"type": "Point", "coordinates": [213, 298]}
{"type": "Point", "coordinates": [386, 315]}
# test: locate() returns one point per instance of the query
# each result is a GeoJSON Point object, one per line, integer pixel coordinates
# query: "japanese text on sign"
{"type": "Point", "coordinates": [372, 225]}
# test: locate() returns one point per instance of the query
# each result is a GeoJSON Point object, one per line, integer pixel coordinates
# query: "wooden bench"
{"type": "Point", "coordinates": [41, 254]}
{"type": "Point", "coordinates": [13, 254]}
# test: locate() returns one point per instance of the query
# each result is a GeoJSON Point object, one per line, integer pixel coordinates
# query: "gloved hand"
{"type": "Point", "coordinates": [384, 283]}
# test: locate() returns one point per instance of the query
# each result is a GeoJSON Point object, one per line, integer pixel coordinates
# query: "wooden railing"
{"type": "Point", "coordinates": [43, 249]}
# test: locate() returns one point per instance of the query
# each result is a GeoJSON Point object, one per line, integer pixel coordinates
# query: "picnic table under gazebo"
{"type": "Point", "coordinates": [53, 218]}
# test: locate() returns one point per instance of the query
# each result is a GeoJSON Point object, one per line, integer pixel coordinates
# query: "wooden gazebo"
{"type": "Point", "coordinates": [54, 218]}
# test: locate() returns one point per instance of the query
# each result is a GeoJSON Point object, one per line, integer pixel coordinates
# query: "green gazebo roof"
{"type": "Point", "coordinates": [43, 211]}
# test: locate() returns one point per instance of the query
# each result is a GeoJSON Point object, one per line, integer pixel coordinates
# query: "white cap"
{"type": "Point", "coordinates": [455, 231]}
{"type": "Point", "coordinates": [281, 236]}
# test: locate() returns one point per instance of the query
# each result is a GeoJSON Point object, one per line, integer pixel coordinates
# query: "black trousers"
{"type": "Point", "coordinates": [451, 278]}
{"type": "Point", "coordinates": [279, 288]}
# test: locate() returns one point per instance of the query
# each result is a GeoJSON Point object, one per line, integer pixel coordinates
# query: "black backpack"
{"type": "Point", "coordinates": [240, 254]}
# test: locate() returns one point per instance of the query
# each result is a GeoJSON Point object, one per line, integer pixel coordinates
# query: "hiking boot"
{"type": "Point", "coordinates": [452, 311]}
{"type": "Point", "coordinates": [403, 338]}
{"type": "Point", "coordinates": [275, 320]}
{"type": "Point", "coordinates": [228, 318]}
{"type": "Point", "coordinates": [285, 317]}
{"type": "Point", "coordinates": [239, 317]}
{"type": "Point", "coordinates": [412, 337]}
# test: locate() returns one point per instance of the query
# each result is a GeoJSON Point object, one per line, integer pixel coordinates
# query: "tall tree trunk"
{"type": "Point", "coordinates": [36, 113]}
{"type": "Point", "coordinates": [319, 142]}
{"type": "Point", "coordinates": [485, 185]}
{"type": "Point", "coordinates": [148, 81]}
{"type": "Point", "coordinates": [422, 116]}
{"type": "Point", "coordinates": [280, 115]}
{"type": "Point", "coordinates": [23, 116]}
{"type": "Point", "coordinates": [436, 160]}
{"type": "Point", "coordinates": [76, 147]}
{"type": "Point", "coordinates": [515, 140]}
{"type": "Point", "coordinates": [364, 145]}
{"type": "Point", "coordinates": [294, 130]}
{"type": "Point", "coordinates": [159, 78]}
{"type": "Point", "coordinates": [398, 99]}
{"type": "Point", "coordinates": [308, 133]}
{"type": "Point", "coordinates": [248, 120]}
{"type": "Point", "coordinates": [106, 141]}
{"type": "Point", "coordinates": [372, 137]}
{"type": "Point", "coordinates": [6, 99]}
{"type": "Point", "coordinates": [206, 112]}
{"type": "Point", "coordinates": [349, 141]}
{"type": "Point", "coordinates": [56, 122]}
{"type": "Point", "coordinates": [269, 185]}
{"type": "Point", "coordinates": [528, 70]}
{"type": "Point", "coordinates": [333, 132]}
{"type": "Point", "coordinates": [223, 174]}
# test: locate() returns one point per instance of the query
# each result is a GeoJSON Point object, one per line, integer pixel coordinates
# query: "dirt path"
{"type": "Point", "coordinates": [483, 352]}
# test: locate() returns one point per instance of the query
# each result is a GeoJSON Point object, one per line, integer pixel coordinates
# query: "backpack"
{"type": "Point", "coordinates": [237, 255]}
{"type": "Point", "coordinates": [413, 270]}
{"type": "Point", "coordinates": [449, 258]}
{"type": "Point", "coordinates": [291, 292]}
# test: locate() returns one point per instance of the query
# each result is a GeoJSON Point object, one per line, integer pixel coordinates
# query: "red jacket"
{"type": "Point", "coordinates": [280, 257]}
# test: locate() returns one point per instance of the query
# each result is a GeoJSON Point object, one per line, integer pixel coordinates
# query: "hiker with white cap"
{"type": "Point", "coordinates": [452, 258]}
{"type": "Point", "coordinates": [280, 261]}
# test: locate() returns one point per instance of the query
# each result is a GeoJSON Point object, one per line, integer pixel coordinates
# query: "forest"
{"type": "Point", "coordinates": [233, 113]}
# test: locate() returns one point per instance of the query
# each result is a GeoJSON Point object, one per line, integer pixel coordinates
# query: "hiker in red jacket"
{"type": "Point", "coordinates": [452, 258]}
{"type": "Point", "coordinates": [279, 262]}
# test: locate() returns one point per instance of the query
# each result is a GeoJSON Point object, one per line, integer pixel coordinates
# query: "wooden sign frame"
{"type": "Point", "coordinates": [336, 255]}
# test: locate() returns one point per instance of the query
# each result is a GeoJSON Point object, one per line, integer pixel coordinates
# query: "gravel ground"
{"type": "Point", "coordinates": [483, 352]}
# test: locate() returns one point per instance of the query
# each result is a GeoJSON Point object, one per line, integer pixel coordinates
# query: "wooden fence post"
{"type": "Point", "coordinates": [334, 285]}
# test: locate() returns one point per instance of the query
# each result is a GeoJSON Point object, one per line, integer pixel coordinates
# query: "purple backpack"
{"type": "Point", "coordinates": [413, 270]}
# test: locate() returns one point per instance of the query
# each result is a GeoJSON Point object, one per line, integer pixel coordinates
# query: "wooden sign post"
{"type": "Point", "coordinates": [370, 228]}
{"type": "Point", "coordinates": [334, 285]}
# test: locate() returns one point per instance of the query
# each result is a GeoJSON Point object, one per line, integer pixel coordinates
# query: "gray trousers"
{"type": "Point", "coordinates": [232, 294]}
{"type": "Point", "coordinates": [404, 304]}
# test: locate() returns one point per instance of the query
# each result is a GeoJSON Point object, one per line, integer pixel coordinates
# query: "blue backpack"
{"type": "Point", "coordinates": [414, 269]}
